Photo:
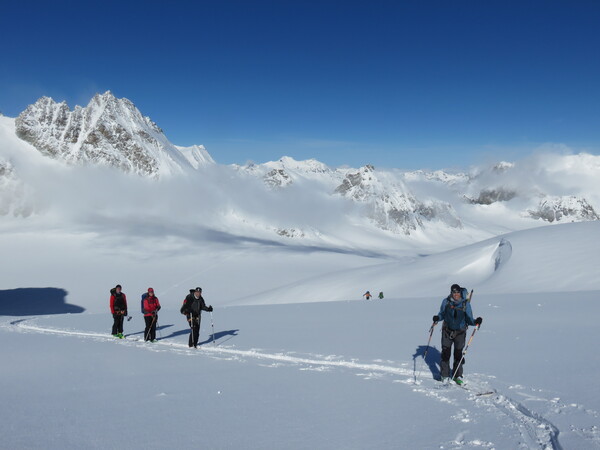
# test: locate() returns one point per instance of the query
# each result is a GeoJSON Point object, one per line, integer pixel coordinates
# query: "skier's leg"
{"type": "Point", "coordinates": [153, 331]}
{"type": "Point", "coordinates": [196, 331]}
{"type": "Point", "coordinates": [459, 345]}
{"type": "Point", "coordinates": [148, 320]}
{"type": "Point", "coordinates": [115, 324]}
{"type": "Point", "coordinates": [446, 351]}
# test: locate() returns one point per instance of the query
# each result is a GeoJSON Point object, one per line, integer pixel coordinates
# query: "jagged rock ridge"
{"type": "Point", "coordinates": [565, 208]}
{"type": "Point", "coordinates": [108, 131]}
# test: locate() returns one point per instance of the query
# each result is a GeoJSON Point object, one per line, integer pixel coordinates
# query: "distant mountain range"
{"type": "Point", "coordinates": [112, 132]}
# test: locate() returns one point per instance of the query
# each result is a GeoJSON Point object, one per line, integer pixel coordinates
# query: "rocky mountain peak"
{"type": "Point", "coordinates": [108, 131]}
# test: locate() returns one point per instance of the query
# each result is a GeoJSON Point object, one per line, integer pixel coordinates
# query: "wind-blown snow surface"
{"type": "Point", "coordinates": [326, 375]}
{"type": "Point", "coordinates": [346, 374]}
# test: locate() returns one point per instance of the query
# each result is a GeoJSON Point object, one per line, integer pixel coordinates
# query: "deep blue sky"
{"type": "Point", "coordinates": [421, 84]}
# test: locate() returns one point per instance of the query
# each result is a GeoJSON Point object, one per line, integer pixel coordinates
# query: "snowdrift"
{"type": "Point", "coordinates": [536, 260]}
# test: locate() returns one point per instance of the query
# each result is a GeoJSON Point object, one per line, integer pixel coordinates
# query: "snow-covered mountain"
{"type": "Point", "coordinates": [108, 131]}
{"type": "Point", "coordinates": [304, 200]}
{"type": "Point", "coordinates": [391, 205]}
{"type": "Point", "coordinates": [564, 208]}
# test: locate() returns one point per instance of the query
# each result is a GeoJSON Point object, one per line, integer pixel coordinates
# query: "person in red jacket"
{"type": "Point", "coordinates": [151, 308]}
{"type": "Point", "coordinates": [118, 309]}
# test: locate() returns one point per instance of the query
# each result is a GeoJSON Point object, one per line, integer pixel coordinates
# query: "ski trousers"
{"type": "Point", "coordinates": [195, 334]}
{"type": "Point", "coordinates": [450, 337]}
{"type": "Point", "coordinates": [117, 323]}
{"type": "Point", "coordinates": [150, 331]}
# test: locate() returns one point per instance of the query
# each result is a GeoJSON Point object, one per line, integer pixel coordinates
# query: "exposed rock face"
{"type": "Point", "coordinates": [391, 205]}
{"type": "Point", "coordinates": [277, 178]}
{"type": "Point", "coordinates": [290, 232]}
{"type": "Point", "coordinates": [109, 131]}
{"type": "Point", "coordinates": [566, 208]}
{"type": "Point", "coordinates": [489, 196]}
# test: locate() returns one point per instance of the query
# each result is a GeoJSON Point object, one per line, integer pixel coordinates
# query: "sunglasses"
{"type": "Point", "coordinates": [455, 291]}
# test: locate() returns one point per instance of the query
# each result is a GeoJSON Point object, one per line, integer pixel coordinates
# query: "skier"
{"type": "Point", "coordinates": [381, 296]}
{"type": "Point", "coordinates": [151, 308]}
{"type": "Point", "coordinates": [456, 313]}
{"type": "Point", "coordinates": [367, 295]}
{"type": "Point", "coordinates": [193, 305]}
{"type": "Point", "coordinates": [118, 309]}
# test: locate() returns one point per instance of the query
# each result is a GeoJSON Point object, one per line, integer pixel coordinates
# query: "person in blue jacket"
{"type": "Point", "coordinates": [457, 316]}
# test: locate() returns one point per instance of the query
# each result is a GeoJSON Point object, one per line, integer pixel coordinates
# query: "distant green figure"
{"type": "Point", "coordinates": [380, 295]}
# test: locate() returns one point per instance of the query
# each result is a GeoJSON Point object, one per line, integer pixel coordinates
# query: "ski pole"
{"type": "Point", "coordinates": [426, 349]}
{"type": "Point", "coordinates": [213, 329]}
{"type": "Point", "coordinates": [150, 328]}
{"type": "Point", "coordinates": [465, 351]}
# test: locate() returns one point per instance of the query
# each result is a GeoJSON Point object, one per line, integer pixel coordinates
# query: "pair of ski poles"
{"type": "Point", "coordinates": [464, 352]}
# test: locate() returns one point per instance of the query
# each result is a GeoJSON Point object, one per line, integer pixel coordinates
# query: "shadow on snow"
{"type": "Point", "coordinates": [36, 301]}
{"type": "Point", "coordinates": [432, 360]}
{"type": "Point", "coordinates": [211, 338]}
{"type": "Point", "coordinates": [219, 335]}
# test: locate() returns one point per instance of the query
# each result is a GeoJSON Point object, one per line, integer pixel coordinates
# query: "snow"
{"type": "Point", "coordinates": [338, 374]}
{"type": "Point", "coordinates": [298, 359]}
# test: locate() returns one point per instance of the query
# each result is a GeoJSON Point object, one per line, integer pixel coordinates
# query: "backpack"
{"type": "Point", "coordinates": [144, 295]}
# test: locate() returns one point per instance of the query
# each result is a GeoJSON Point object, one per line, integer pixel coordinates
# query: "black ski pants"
{"type": "Point", "coordinates": [195, 333]}
{"type": "Point", "coordinates": [117, 323]}
{"type": "Point", "coordinates": [150, 331]}
{"type": "Point", "coordinates": [450, 337]}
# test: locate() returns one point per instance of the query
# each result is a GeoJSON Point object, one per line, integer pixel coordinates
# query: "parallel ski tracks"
{"type": "Point", "coordinates": [535, 430]}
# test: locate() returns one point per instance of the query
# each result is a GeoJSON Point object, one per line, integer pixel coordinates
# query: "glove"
{"type": "Point", "coordinates": [158, 309]}
{"type": "Point", "coordinates": [436, 318]}
{"type": "Point", "coordinates": [210, 308]}
{"type": "Point", "coordinates": [154, 313]}
{"type": "Point", "coordinates": [478, 321]}
{"type": "Point", "coordinates": [124, 313]}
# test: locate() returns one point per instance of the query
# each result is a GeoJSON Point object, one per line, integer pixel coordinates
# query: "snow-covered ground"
{"type": "Point", "coordinates": [320, 375]}
{"type": "Point", "coordinates": [307, 373]}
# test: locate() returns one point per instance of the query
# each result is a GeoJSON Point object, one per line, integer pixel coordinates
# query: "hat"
{"type": "Point", "coordinates": [118, 286]}
{"type": "Point", "coordinates": [150, 290]}
{"type": "Point", "coordinates": [455, 287]}
{"type": "Point", "coordinates": [199, 289]}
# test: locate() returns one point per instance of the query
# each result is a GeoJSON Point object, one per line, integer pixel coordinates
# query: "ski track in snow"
{"type": "Point", "coordinates": [535, 430]}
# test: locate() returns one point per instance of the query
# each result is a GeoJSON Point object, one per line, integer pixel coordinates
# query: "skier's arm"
{"type": "Point", "coordinates": [125, 301]}
{"type": "Point", "coordinates": [469, 315]}
{"type": "Point", "coordinates": [112, 304]}
{"type": "Point", "coordinates": [442, 309]}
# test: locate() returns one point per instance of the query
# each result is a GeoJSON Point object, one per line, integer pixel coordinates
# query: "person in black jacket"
{"type": "Point", "coordinates": [192, 307]}
{"type": "Point", "coordinates": [118, 309]}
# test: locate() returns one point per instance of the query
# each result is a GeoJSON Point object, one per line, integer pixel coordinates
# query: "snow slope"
{"type": "Point", "coordinates": [342, 374]}
{"type": "Point", "coordinates": [535, 260]}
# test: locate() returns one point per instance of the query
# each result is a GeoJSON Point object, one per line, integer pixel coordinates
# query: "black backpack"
{"type": "Point", "coordinates": [144, 295]}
